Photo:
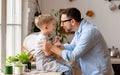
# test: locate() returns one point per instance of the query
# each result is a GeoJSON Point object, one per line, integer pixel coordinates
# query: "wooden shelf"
{"type": "Point", "coordinates": [115, 60]}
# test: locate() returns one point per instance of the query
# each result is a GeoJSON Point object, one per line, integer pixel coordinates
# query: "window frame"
{"type": "Point", "coordinates": [3, 33]}
{"type": "Point", "coordinates": [3, 36]}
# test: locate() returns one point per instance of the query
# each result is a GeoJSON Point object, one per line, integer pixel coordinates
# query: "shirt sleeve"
{"type": "Point", "coordinates": [37, 44]}
{"type": "Point", "coordinates": [83, 45]}
{"type": "Point", "coordinates": [70, 46]}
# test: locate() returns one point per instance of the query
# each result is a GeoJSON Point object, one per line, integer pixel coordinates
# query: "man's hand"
{"type": "Point", "coordinates": [56, 50]}
{"type": "Point", "coordinates": [59, 45]}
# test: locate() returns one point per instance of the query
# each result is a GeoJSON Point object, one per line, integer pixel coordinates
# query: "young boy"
{"type": "Point", "coordinates": [44, 60]}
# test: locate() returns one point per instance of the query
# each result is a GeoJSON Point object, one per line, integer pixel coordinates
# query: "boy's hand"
{"type": "Point", "coordinates": [57, 39]}
{"type": "Point", "coordinates": [45, 45]}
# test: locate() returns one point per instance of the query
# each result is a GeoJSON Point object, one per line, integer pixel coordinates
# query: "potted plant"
{"type": "Point", "coordinates": [18, 67]}
{"type": "Point", "coordinates": [11, 60]}
{"type": "Point", "coordinates": [59, 31]}
{"type": "Point", "coordinates": [9, 66]}
{"type": "Point", "coordinates": [37, 13]}
{"type": "Point", "coordinates": [24, 58]}
{"type": "Point", "coordinates": [8, 69]}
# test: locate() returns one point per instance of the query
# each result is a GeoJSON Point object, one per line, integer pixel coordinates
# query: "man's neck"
{"type": "Point", "coordinates": [77, 26]}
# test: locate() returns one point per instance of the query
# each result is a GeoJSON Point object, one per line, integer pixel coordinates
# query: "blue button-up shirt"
{"type": "Point", "coordinates": [90, 50]}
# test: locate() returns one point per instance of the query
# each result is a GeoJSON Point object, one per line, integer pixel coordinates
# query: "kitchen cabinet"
{"type": "Point", "coordinates": [115, 60]}
{"type": "Point", "coordinates": [116, 68]}
{"type": "Point", "coordinates": [116, 65]}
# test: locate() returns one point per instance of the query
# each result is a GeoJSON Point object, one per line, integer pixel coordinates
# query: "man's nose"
{"type": "Point", "coordinates": [61, 25]}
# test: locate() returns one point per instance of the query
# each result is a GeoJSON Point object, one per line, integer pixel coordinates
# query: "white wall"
{"type": "Point", "coordinates": [28, 11]}
{"type": "Point", "coordinates": [107, 21]}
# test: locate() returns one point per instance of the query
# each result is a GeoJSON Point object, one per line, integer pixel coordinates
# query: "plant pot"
{"type": "Point", "coordinates": [24, 67]}
{"type": "Point", "coordinates": [18, 70]}
{"type": "Point", "coordinates": [8, 70]}
{"type": "Point", "coordinates": [27, 67]}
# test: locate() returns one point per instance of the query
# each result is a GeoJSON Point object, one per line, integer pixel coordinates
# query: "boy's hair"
{"type": "Point", "coordinates": [43, 19]}
{"type": "Point", "coordinates": [72, 13]}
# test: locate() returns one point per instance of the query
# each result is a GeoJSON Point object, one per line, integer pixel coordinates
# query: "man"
{"type": "Point", "coordinates": [87, 47]}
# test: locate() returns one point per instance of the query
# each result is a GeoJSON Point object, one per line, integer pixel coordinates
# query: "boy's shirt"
{"type": "Point", "coordinates": [44, 63]}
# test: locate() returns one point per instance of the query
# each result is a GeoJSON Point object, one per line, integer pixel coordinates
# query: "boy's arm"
{"type": "Point", "coordinates": [47, 52]}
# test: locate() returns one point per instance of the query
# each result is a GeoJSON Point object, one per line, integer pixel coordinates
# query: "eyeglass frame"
{"type": "Point", "coordinates": [65, 21]}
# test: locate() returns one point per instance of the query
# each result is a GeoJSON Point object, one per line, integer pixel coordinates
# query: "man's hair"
{"type": "Point", "coordinates": [43, 19]}
{"type": "Point", "coordinates": [72, 13]}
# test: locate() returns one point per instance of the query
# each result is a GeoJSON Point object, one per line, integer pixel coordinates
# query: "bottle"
{"type": "Point", "coordinates": [118, 54]}
{"type": "Point", "coordinates": [113, 52]}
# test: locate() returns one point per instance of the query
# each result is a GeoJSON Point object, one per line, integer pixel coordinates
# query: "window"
{"type": "Point", "coordinates": [0, 32]}
{"type": "Point", "coordinates": [13, 40]}
{"type": "Point", "coordinates": [13, 27]}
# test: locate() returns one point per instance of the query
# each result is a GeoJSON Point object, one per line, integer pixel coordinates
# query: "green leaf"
{"type": "Point", "coordinates": [23, 57]}
{"type": "Point", "coordinates": [18, 64]}
{"type": "Point", "coordinates": [12, 59]}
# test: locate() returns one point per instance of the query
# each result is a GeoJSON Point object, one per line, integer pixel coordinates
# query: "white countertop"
{"type": "Point", "coordinates": [115, 60]}
{"type": "Point", "coordinates": [36, 73]}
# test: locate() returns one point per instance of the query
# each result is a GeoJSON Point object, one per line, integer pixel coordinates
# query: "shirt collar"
{"type": "Point", "coordinates": [80, 26]}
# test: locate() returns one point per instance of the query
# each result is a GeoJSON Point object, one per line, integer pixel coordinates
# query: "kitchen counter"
{"type": "Point", "coordinates": [115, 60]}
{"type": "Point", "coordinates": [36, 73]}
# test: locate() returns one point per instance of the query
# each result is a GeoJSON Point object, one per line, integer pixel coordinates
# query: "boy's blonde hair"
{"type": "Point", "coordinates": [43, 19]}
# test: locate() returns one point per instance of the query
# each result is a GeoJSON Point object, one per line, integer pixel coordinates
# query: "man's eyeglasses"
{"type": "Point", "coordinates": [65, 21]}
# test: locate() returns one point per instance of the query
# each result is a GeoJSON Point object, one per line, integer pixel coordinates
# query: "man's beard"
{"type": "Point", "coordinates": [68, 30]}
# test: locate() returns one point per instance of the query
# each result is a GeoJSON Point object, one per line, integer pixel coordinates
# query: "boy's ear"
{"type": "Point", "coordinates": [46, 27]}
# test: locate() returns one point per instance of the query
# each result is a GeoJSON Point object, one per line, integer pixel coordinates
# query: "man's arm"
{"type": "Point", "coordinates": [84, 44]}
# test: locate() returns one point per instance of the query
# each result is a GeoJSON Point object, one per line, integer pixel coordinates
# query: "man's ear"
{"type": "Point", "coordinates": [73, 22]}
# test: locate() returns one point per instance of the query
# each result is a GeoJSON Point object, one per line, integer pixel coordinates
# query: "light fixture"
{"type": "Point", "coordinates": [71, 0]}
